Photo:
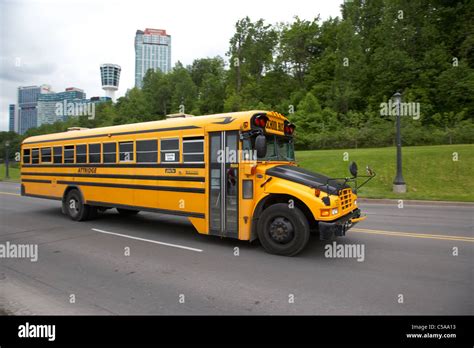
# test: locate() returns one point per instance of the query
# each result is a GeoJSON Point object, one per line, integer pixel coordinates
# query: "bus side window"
{"type": "Point", "coordinates": [147, 151]}
{"type": "Point", "coordinates": [26, 156]}
{"type": "Point", "coordinates": [81, 153]}
{"type": "Point", "coordinates": [46, 155]}
{"type": "Point", "coordinates": [193, 150]}
{"type": "Point", "coordinates": [35, 156]}
{"type": "Point", "coordinates": [94, 153]}
{"type": "Point", "coordinates": [69, 154]}
{"type": "Point", "coordinates": [58, 154]}
{"type": "Point", "coordinates": [109, 152]}
{"type": "Point", "coordinates": [126, 151]}
{"type": "Point", "coordinates": [169, 150]}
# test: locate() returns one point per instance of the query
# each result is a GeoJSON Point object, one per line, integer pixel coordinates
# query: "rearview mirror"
{"type": "Point", "coordinates": [261, 146]}
{"type": "Point", "coordinates": [353, 169]}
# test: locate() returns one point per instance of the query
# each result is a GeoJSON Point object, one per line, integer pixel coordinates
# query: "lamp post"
{"type": "Point", "coordinates": [399, 185]}
{"type": "Point", "coordinates": [7, 154]}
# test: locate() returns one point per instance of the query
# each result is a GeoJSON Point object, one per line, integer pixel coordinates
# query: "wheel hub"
{"type": "Point", "coordinates": [281, 230]}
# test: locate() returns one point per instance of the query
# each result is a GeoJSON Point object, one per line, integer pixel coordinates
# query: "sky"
{"type": "Point", "coordinates": [62, 43]}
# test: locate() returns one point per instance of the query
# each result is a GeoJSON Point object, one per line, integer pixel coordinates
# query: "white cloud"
{"type": "Point", "coordinates": [63, 43]}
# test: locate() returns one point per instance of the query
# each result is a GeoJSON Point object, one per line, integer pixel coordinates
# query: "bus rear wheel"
{"type": "Point", "coordinates": [127, 212]}
{"type": "Point", "coordinates": [75, 207]}
{"type": "Point", "coordinates": [283, 230]}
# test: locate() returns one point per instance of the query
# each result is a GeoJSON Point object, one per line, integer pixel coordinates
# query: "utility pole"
{"type": "Point", "coordinates": [399, 185]}
{"type": "Point", "coordinates": [7, 155]}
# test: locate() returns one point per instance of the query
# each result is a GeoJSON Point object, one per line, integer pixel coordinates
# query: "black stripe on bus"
{"type": "Point", "coordinates": [122, 176]}
{"type": "Point", "coordinates": [114, 134]}
{"type": "Point", "coordinates": [36, 180]}
{"type": "Point", "coordinates": [117, 165]}
{"type": "Point", "coordinates": [153, 210]}
{"type": "Point", "coordinates": [137, 187]}
{"type": "Point", "coordinates": [41, 196]}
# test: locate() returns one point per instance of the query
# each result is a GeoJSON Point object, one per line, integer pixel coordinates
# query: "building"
{"type": "Point", "coordinates": [48, 110]}
{"type": "Point", "coordinates": [28, 106]}
{"type": "Point", "coordinates": [13, 119]}
{"type": "Point", "coordinates": [152, 51]}
{"type": "Point", "coordinates": [110, 77]}
{"type": "Point", "coordinates": [98, 100]}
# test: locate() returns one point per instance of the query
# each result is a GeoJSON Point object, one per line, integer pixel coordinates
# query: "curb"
{"type": "Point", "coordinates": [414, 202]}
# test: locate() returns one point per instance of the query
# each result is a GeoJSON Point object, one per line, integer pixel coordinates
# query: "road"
{"type": "Point", "coordinates": [408, 265]}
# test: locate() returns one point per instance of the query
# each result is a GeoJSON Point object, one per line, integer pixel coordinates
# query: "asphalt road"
{"type": "Point", "coordinates": [407, 253]}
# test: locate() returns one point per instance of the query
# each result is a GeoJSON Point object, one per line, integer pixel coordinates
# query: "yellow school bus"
{"type": "Point", "coordinates": [232, 175]}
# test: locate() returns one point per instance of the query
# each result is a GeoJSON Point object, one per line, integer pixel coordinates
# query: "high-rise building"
{"type": "Point", "coordinates": [28, 106]}
{"type": "Point", "coordinates": [110, 77]}
{"type": "Point", "coordinates": [48, 110]}
{"type": "Point", "coordinates": [152, 51]}
{"type": "Point", "coordinates": [13, 118]}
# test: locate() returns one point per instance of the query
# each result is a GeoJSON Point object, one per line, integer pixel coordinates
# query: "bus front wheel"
{"type": "Point", "coordinates": [283, 230]}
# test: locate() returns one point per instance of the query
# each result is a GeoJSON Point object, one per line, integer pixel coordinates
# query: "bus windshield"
{"type": "Point", "coordinates": [279, 148]}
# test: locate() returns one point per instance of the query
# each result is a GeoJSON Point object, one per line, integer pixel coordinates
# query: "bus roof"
{"type": "Point", "coordinates": [197, 121]}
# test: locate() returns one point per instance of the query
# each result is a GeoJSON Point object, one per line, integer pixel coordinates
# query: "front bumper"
{"type": "Point", "coordinates": [339, 227]}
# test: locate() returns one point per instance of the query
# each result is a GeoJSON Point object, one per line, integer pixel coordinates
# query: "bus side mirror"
{"type": "Point", "coordinates": [353, 169]}
{"type": "Point", "coordinates": [261, 146]}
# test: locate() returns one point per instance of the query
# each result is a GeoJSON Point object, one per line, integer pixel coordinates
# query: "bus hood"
{"type": "Point", "coordinates": [305, 177]}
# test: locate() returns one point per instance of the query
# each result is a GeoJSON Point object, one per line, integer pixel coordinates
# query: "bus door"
{"type": "Point", "coordinates": [223, 183]}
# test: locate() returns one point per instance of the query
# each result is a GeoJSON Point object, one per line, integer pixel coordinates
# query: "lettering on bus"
{"type": "Point", "coordinates": [275, 125]}
{"type": "Point", "coordinates": [87, 170]}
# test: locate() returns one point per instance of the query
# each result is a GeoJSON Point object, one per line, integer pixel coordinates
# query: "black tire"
{"type": "Point", "coordinates": [75, 207]}
{"type": "Point", "coordinates": [127, 212]}
{"type": "Point", "coordinates": [283, 230]}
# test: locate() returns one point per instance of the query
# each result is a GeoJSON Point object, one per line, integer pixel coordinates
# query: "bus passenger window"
{"type": "Point", "coordinates": [126, 151]}
{"type": "Point", "coordinates": [110, 153]}
{"type": "Point", "coordinates": [58, 154]}
{"type": "Point", "coordinates": [170, 150]}
{"type": "Point", "coordinates": [193, 150]}
{"type": "Point", "coordinates": [81, 153]}
{"type": "Point", "coordinates": [35, 156]}
{"type": "Point", "coordinates": [26, 156]}
{"type": "Point", "coordinates": [46, 155]}
{"type": "Point", "coordinates": [94, 153]}
{"type": "Point", "coordinates": [147, 151]}
{"type": "Point", "coordinates": [69, 154]}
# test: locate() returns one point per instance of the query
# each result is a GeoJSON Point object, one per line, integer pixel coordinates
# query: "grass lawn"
{"type": "Point", "coordinates": [429, 171]}
{"type": "Point", "coordinates": [13, 172]}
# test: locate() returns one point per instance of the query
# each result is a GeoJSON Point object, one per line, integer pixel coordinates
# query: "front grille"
{"type": "Point", "coordinates": [345, 198]}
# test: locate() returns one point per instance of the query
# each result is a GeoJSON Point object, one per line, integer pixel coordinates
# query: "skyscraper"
{"type": "Point", "coordinates": [110, 78]}
{"type": "Point", "coordinates": [13, 125]}
{"type": "Point", "coordinates": [47, 105]}
{"type": "Point", "coordinates": [152, 51]}
{"type": "Point", "coordinates": [28, 106]}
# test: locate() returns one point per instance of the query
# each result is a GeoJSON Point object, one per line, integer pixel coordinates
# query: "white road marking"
{"type": "Point", "coordinates": [148, 240]}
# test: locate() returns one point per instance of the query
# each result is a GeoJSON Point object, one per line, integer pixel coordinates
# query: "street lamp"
{"type": "Point", "coordinates": [399, 185]}
{"type": "Point", "coordinates": [7, 154]}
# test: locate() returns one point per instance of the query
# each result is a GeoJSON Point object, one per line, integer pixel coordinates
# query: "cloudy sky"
{"type": "Point", "coordinates": [63, 42]}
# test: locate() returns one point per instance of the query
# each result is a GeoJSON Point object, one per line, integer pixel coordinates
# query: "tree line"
{"type": "Point", "coordinates": [329, 77]}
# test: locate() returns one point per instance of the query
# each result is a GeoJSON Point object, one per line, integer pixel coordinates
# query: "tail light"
{"type": "Point", "coordinates": [260, 121]}
{"type": "Point", "coordinates": [289, 128]}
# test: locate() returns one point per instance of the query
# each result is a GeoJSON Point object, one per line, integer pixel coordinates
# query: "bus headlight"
{"type": "Point", "coordinates": [355, 202]}
{"type": "Point", "coordinates": [334, 211]}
